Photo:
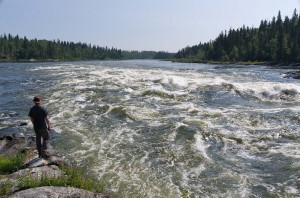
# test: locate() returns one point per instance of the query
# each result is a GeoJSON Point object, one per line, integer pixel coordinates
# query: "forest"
{"type": "Point", "coordinates": [275, 41]}
{"type": "Point", "coordinates": [14, 48]}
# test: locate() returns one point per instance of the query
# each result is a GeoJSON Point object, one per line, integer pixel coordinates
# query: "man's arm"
{"type": "Point", "coordinates": [32, 120]}
{"type": "Point", "coordinates": [48, 122]}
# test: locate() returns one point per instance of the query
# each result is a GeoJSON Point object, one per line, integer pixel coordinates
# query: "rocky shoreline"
{"type": "Point", "coordinates": [12, 142]}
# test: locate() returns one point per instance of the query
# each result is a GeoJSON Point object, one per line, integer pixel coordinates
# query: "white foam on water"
{"type": "Point", "coordinates": [245, 154]}
{"type": "Point", "coordinates": [84, 87]}
{"type": "Point", "coordinates": [129, 90]}
{"type": "Point", "coordinates": [54, 68]}
{"type": "Point", "coordinates": [80, 98]}
{"type": "Point", "coordinates": [195, 81]}
{"type": "Point", "coordinates": [275, 110]}
{"type": "Point", "coordinates": [175, 80]}
{"type": "Point", "coordinates": [196, 171]}
{"type": "Point", "coordinates": [292, 190]}
{"type": "Point", "coordinates": [98, 73]}
{"type": "Point", "coordinates": [169, 90]}
{"type": "Point", "coordinates": [187, 106]}
{"type": "Point", "coordinates": [159, 91]}
{"type": "Point", "coordinates": [219, 81]}
{"type": "Point", "coordinates": [155, 89]}
{"type": "Point", "coordinates": [201, 145]}
{"type": "Point", "coordinates": [269, 90]}
{"type": "Point", "coordinates": [171, 136]}
{"type": "Point", "coordinates": [118, 172]}
{"type": "Point", "coordinates": [143, 113]}
{"type": "Point", "coordinates": [72, 81]}
{"type": "Point", "coordinates": [289, 149]}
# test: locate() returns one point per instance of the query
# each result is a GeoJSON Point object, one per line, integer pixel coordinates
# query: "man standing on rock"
{"type": "Point", "coordinates": [41, 123]}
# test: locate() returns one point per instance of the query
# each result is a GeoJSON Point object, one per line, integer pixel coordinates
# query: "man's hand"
{"type": "Point", "coordinates": [48, 122]}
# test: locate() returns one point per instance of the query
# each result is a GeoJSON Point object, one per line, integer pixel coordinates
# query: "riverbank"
{"type": "Point", "coordinates": [289, 74]}
{"type": "Point", "coordinates": [185, 60]}
{"type": "Point", "coordinates": [23, 174]}
{"type": "Point", "coordinates": [264, 63]}
{"type": "Point", "coordinates": [38, 60]}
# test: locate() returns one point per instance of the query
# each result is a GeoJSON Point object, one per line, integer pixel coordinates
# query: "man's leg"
{"type": "Point", "coordinates": [38, 139]}
{"type": "Point", "coordinates": [45, 136]}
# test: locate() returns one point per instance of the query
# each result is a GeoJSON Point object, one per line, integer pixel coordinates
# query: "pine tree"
{"type": "Point", "coordinates": [274, 41]}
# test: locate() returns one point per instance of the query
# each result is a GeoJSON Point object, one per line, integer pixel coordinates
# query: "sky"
{"type": "Point", "coordinates": [159, 25]}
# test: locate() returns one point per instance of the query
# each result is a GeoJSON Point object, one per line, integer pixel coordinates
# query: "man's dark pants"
{"type": "Point", "coordinates": [42, 147]}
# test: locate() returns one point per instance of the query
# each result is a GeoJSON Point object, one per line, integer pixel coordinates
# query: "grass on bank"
{"type": "Point", "coordinates": [73, 177]}
{"type": "Point", "coordinates": [5, 188]}
{"type": "Point", "coordinates": [10, 164]}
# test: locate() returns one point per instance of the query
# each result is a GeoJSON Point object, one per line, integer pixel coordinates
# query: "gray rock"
{"type": "Point", "coordinates": [56, 160]}
{"type": "Point", "coordinates": [11, 147]}
{"type": "Point", "coordinates": [13, 114]}
{"type": "Point", "coordinates": [292, 74]}
{"type": "Point", "coordinates": [12, 132]}
{"type": "Point", "coordinates": [56, 192]}
{"type": "Point", "coordinates": [35, 173]}
{"type": "Point", "coordinates": [2, 144]}
{"type": "Point", "coordinates": [8, 114]}
{"type": "Point", "coordinates": [23, 124]}
{"type": "Point", "coordinates": [35, 162]}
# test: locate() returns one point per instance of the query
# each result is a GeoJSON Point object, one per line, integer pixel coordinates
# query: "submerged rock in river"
{"type": "Point", "coordinates": [292, 74]}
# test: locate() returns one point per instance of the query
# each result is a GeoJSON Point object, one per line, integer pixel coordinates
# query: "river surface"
{"type": "Point", "coordinates": [161, 129]}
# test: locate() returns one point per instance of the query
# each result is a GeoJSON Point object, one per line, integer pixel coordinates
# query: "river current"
{"type": "Point", "coordinates": [160, 129]}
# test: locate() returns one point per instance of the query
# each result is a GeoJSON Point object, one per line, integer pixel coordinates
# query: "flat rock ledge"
{"type": "Point", "coordinates": [13, 142]}
{"type": "Point", "coordinates": [56, 192]}
{"type": "Point", "coordinates": [35, 173]}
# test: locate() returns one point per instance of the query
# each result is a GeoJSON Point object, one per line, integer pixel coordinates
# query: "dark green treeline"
{"type": "Point", "coordinates": [14, 48]}
{"type": "Point", "coordinates": [274, 41]}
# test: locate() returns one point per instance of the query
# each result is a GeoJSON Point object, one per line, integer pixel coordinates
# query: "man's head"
{"type": "Point", "coordinates": [37, 100]}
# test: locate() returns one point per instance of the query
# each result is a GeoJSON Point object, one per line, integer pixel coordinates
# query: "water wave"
{"type": "Point", "coordinates": [162, 129]}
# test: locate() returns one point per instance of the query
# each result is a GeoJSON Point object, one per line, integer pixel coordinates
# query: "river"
{"type": "Point", "coordinates": [160, 129]}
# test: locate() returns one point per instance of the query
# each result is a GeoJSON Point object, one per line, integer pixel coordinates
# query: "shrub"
{"type": "Point", "coordinates": [11, 164]}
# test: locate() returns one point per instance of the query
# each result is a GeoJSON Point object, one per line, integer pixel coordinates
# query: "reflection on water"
{"type": "Point", "coordinates": [163, 129]}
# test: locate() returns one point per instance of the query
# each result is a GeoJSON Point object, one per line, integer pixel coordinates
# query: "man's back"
{"type": "Point", "coordinates": [38, 113]}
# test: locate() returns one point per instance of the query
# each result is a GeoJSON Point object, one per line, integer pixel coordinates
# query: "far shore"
{"type": "Point", "coordinates": [263, 63]}
{"type": "Point", "coordinates": [39, 60]}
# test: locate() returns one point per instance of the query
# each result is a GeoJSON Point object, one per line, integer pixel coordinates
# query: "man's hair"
{"type": "Point", "coordinates": [37, 99]}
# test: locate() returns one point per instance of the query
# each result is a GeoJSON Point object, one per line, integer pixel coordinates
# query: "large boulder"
{"type": "Point", "coordinates": [10, 147]}
{"type": "Point", "coordinates": [11, 132]}
{"type": "Point", "coordinates": [35, 173]}
{"type": "Point", "coordinates": [56, 192]}
{"type": "Point", "coordinates": [37, 162]}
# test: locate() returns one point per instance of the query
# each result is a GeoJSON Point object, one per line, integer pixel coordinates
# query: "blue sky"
{"type": "Point", "coordinates": [167, 25]}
